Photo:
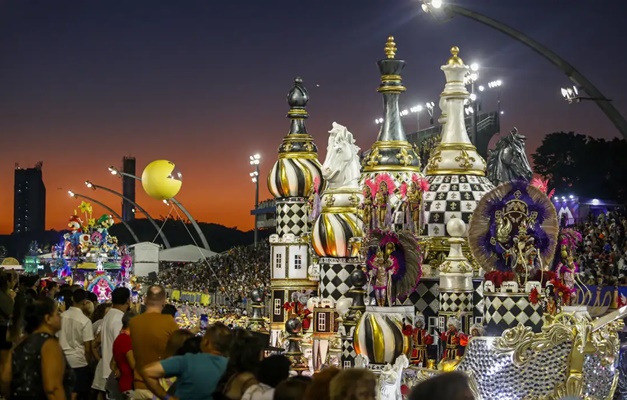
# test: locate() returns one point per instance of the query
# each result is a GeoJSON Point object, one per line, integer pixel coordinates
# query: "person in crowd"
{"type": "Point", "coordinates": [356, 384]}
{"type": "Point", "coordinates": [292, 389]}
{"type": "Point", "coordinates": [96, 322]}
{"type": "Point", "coordinates": [76, 339]}
{"type": "Point", "coordinates": [197, 374]}
{"type": "Point", "coordinates": [150, 333]}
{"type": "Point", "coordinates": [245, 356]}
{"type": "Point", "coordinates": [37, 368]}
{"type": "Point", "coordinates": [176, 341]}
{"type": "Point", "coordinates": [450, 386]}
{"type": "Point", "coordinates": [110, 329]}
{"type": "Point", "coordinates": [88, 310]}
{"type": "Point", "coordinates": [65, 297]}
{"type": "Point", "coordinates": [120, 382]}
{"type": "Point", "coordinates": [7, 296]}
{"type": "Point", "coordinates": [192, 345]}
{"type": "Point", "coordinates": [272, 370]}
{"type": "Point", "coordinates": [98, 316]}
{"type": "Point", "coordinates": [52, 288]}
{"type": "Point", "coordinates": [319, 388]}
{"type": "Point", "coordinates": [169, 309]}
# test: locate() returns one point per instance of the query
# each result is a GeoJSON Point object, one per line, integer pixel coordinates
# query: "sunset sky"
{"type": "Point", "coordinates": [203, 84]}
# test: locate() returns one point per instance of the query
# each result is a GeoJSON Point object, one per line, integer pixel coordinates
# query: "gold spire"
{"type": "Point", "coordinates": [455, 60]}
{"type": "Point", "coordinates": [390, 47]}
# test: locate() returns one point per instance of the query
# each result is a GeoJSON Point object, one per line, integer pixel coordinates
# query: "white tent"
{"type": "Point", "coordinates": [187, 253]}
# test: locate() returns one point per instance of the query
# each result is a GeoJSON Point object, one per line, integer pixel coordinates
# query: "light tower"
{"type": "Point", "coordinates": [291, 182]}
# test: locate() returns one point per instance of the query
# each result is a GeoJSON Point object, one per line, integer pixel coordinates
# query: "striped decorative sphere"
{"type": "Point", "coordinates": [337, 223]}
{"type": "Point", "coordinates": [379, 336]}
{"type": "Point", "coordinates": [332, 232]}
{"type": "Point", "coordinates": [294, 177]}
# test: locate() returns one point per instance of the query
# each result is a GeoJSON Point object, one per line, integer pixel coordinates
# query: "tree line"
{"type": "Point", "coordinates": [583, 166]}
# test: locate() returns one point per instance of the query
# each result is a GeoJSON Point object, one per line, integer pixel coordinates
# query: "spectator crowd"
{"type": "Point", "coordinates": [62, 347]}
{"type": "Point", "coordinates": [233, 274]}
{"type": "Point", "coordinates": [602, 255]}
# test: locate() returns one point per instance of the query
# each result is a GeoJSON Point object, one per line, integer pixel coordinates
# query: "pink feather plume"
{"type": "Point", "coordinates": [373, 187]}
{"type": "Point", "coordinates": [388, 180]}
{"type": "Point", "coordinates": [316, 183]}
{"type": "Point", "coordinates": [421, 183]}
{"type": "Point", "coordinates": [403, 189]}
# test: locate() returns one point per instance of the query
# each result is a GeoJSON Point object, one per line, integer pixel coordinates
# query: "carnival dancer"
{"type": "Point", "coordinates": [454, 339]}
{"type": "Point", "coordinates": [381, 204]}
{"type": "Point", "coordinates": [412, 206]}
{"type": "Point", "coordinates": [420, 340]}
{"type": "Point", "coordinates": [381, 275]}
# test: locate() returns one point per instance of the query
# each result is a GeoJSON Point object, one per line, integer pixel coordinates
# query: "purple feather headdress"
{"type": "Point", "coordinates": [483, 228]}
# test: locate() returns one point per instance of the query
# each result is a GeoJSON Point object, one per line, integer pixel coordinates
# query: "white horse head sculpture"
{"type": "Point", "coordinates": [341, 168]}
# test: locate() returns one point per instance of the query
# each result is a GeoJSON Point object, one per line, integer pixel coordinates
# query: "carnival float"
{"type": "Point", "coordinates": [411, 270]}
{"type": "Point", "coordinates": [90, 256]}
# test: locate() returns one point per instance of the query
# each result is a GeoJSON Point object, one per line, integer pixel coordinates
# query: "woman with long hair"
{"type": "Point", "coordinates": [244, 358]}
{"type": "Point", "coordinates": [37, 368]}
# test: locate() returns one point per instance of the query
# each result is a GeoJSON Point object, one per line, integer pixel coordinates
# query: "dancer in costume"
{"type": "Point", "coordinates": [420, 340]}
{"type": "Point", "coordinates": [381, 204]}
{"type": "Point", "coordinates": [381, 274]}
{"type": "Point", "coordinates": [454, 339]}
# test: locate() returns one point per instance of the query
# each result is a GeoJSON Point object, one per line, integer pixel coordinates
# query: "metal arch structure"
{"type": "Point", "coordinates": [575, 76]}
{"type": "Point", "coordinates": [191, 219]}
{"type": "Point", "coordinates": [130, 230]}
{"type": "Point", "coordinates": [166, 243]}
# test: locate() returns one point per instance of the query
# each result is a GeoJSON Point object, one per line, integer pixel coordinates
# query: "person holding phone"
{"type": "Point", "coordinates": [204, 321]}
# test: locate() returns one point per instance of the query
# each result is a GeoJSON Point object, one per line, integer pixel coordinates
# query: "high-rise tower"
{"type": "Point", "coordinates": [29, 200]}
{"type": "Point", "coordinates": [128, 188]}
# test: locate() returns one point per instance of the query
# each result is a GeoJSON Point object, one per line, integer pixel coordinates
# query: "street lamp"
{"type": "Point", "coordinates": [430, 108]}
{"type": "Point", "coordinates": [571, 95]}
{"type": "Point", "coordinates": [160, 232]}
{"type": "Point", "coordinates": [203, 239]}
{"type": "Point", "coordinates": [445, 12]}
{"type": "Point", "coordinates": [417, 109]}
{"type": "Point", "coordinates": [101, 204]}
{"type": "Point", "coordinates": [255, 160]}
{"type": "Point", "coordinates": [497, 85]}
{"type": "Point", "coordinates": [471, 79]}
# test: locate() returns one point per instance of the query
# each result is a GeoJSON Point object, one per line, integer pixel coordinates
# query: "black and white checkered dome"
{"type": "Point", "coordinates": [452, 196]}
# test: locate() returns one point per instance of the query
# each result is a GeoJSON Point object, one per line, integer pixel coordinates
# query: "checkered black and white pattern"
{"type": "Point", "coordinates": [452, 196]}
{"type": "Point", "coordinates": [425, 298]}
{"type": "Point", "coordinates": [291, 217]}
{"type": "Point", "coordinates": [452, 302]}
{"type": "Point", "coordinates": [334, 281]}
{"type": "Point", "coordinates": [348, 353]}
{"type": "Point", "coordinates": [504, 312]}
{"type": "Point", "coordinates": [477, 299]}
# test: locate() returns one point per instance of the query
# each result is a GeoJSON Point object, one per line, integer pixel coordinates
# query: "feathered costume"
{"type": "Point", "coordinates": [404, 260]}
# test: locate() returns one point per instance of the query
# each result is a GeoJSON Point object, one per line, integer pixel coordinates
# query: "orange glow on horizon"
{"type": "Point", "coordinates": [221, 198]}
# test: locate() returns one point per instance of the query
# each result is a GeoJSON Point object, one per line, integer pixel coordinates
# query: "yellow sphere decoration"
{"type": "Point", "coordinates": [159, 181]}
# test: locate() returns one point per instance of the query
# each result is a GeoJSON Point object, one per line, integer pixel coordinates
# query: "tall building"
{"type": "Point", "coordinates": [29, 200]}
{"type": "Point", "coordinates": [128, 188]}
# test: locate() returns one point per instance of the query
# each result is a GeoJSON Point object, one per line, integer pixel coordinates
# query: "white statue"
{"type": "Point", "coordinates": [341, 169]}
{"type": "Point", "coordinates": [390, 379]}
{"type": "Point", "coordinates": [361, 361]}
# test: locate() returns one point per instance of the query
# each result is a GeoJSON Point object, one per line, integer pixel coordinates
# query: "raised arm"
{"type": "Point", "coordinates": [7, 374]}
{"type": "Point", "coordinates": [52, 370]}
{"type": "Point", "coordinates": [151, 374]}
